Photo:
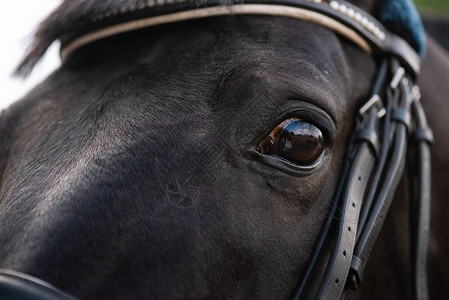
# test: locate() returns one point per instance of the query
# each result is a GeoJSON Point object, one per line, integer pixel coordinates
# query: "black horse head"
{"type": "Point", "coordinates": [158, 163]}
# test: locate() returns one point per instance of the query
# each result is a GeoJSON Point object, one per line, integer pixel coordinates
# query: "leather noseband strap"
{"type": "Point", "coordinates": [18, 286]}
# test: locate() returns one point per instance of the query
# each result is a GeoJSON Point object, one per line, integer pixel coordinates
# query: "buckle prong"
{"type": "Point", "coordinates": [416, 93]}
{"type": "Point", "coordinates": [398, 75]}
{"type": "Point", "coordinates": [374, 101]}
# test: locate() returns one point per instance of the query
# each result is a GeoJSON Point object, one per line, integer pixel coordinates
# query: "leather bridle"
{"type": "Point", "coordinates": [391, 131]}
{"type": "Point", "coordinates": [376, 158]}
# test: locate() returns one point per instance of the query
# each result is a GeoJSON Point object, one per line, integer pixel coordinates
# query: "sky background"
{"type": "Point", "coordinates": [17, 22]}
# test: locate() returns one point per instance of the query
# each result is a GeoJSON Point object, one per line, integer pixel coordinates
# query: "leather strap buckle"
{"type": "Point", "coordinates": [398, 75]}
{"type": "Point", "coordinates": [374, 101]}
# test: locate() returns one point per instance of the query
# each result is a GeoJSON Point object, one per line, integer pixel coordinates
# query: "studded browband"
{"type": "Point", "coordinates": [339, 16]}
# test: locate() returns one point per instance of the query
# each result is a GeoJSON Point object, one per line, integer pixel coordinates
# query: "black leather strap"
{"type": "Point", "coordinates": [326, 275]}
{"type": "Point", "coordinates": [335, 257]}
{"type": "Point", "coordinates": [18, 286]}
{"type": "Point", "coordinates": [391, 172]}
{"type": "Point", "coordinates": [370, 179]}
{"type": "Point", "coordinates": [334, 282]}
{"type": "Point", "coordinates": [420, 174]}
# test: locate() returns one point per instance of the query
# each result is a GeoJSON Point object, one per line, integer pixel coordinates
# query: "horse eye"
{"type": "Point", "coordinates": [295, 140]}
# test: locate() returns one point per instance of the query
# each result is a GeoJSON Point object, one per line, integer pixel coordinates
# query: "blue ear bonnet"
{"type": "Point", "coordinates": [401, 16]}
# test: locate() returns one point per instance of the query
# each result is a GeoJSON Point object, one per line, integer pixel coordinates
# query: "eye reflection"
{"type": "Point", "coordinates": [295, 140]}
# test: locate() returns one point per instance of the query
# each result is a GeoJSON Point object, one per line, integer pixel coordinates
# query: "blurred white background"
{"type": "Point", "coordinates": [18, 19]}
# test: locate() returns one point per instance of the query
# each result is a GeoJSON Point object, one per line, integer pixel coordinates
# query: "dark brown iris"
{"type": "Point", "coordinates": [295, 140]}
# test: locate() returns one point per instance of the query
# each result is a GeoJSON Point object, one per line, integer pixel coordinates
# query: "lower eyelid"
{"type": "Point", "coordinates": [288, 167]}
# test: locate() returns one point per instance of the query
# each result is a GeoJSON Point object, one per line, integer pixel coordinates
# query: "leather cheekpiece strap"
{"type": "Point", "coordinates": [364, 196]}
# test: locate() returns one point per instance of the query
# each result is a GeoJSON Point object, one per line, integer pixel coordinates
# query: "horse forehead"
{"type": "Point", "coordinates": [278, 48]}
{"type": "Point", "coordinates": [263, 54]}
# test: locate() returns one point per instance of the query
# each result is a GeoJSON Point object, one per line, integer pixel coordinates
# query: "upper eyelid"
{"type": "Point", "coordinates": [314, 116]}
